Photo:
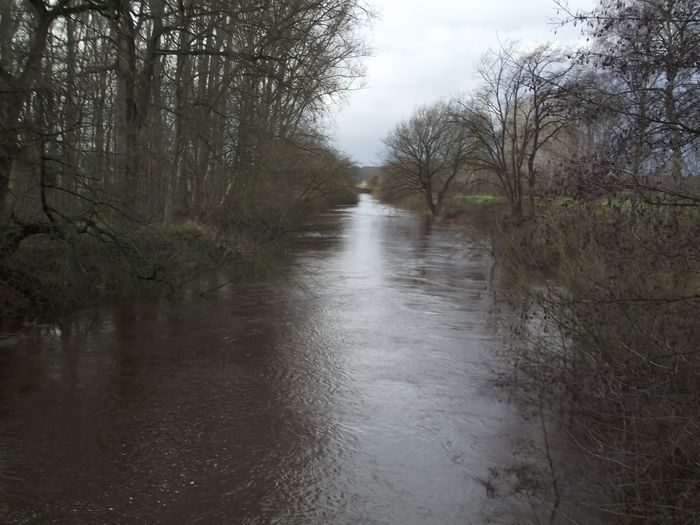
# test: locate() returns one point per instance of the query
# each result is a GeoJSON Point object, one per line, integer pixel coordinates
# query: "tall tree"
{"type": "Point", "coordinates": [160, 109]}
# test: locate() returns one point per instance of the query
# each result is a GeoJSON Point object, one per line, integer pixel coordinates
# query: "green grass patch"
{"type": "Point", "coordinates": [483, 198]}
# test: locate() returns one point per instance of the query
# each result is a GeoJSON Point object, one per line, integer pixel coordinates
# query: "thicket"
{"type": "Point", "coordinates": [121, 122]}
{"type": "Point", "coordinates": [607, 338]}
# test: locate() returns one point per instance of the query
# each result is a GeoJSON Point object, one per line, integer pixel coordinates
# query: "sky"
{"type": "Point", "coordinates": [427, 50]}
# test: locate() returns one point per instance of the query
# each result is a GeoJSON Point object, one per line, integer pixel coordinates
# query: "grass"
{"type": "Point", "coordinates": [478, 199]}
{"type": "Point", "coordinates": [480, 213]}
{"type": "Point", "coordinates": [621, 307]}
{"type": "Point", "coordinates": [606, 294]}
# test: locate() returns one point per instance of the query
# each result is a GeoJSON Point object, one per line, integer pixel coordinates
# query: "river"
{"type": "Point", "coordinates": [357, 389]}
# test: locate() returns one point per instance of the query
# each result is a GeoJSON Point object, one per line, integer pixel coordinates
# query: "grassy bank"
{"type": "Point", "coordinates": [52, 274]}
{"type": "Point", "coordinates": [609, 334]}
{"type": "Point", "coordinates": [482, 213]}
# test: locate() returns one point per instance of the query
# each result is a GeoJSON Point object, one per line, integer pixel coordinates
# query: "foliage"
{"type": "Point", "coordinates": [119, 116]}
{"type": "Point", "coordinates": [298, 182]}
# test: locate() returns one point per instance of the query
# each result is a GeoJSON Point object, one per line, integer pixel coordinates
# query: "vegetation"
{"type": "Point", "coordinates": [425, 155]}
{"type": "Point", "coordinates": [52, 275]}
{"type": "Point", "coordinates": [121, 120]}
{"type": "Point", "coordinates": [149, 141]}
{"type": "Point", "coordinates": [602, 144]}
{"type": "Point", "coordinates": [610, 342]}
{"type": "Point", "coordinates": [519, 110]}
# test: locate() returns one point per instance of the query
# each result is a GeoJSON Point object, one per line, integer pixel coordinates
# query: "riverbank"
{"type": "Point", "coordinates": [608, 338]}
{"type": "Point", "coordinates": [356, 388]}
{"type": "Point", "coordinates": [49, 276]}
{"type": "Point", "coordinates": [54, 274]}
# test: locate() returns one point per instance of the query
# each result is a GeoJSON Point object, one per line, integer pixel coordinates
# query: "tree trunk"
{"type": "Point", "coordinates": [16, 93]}
{"type": "Point", "coordinates": [126, 138]}
{"type": "Point", "coordinates": [177, 202]}
{"type": "Point", "coordinates": [71, 122]}
{"type": "Point", "coordinates": [7, 132]}
{"type": "Point", "coordinates": [428, 187]}
{"type": "Point", "coordinates": [672, 119]}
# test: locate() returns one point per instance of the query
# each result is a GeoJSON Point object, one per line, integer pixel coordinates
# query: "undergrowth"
{"type": "Point", "coordinates": [612, 334]}
{"type": "Point", "coordinates": [52, 275]}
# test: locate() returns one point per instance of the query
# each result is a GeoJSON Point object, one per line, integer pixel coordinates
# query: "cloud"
{"type": "Point", "coordinates": [426, 51]}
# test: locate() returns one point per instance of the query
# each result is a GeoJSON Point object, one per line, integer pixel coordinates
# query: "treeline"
{"type": "Point", "coordinates": [593, 156]}
{"type": "Point", "coordinates": [119, 114]}
{"type": "Point", "coordinates": [168, 109]}
{"type": "Point", "coordinates": [619, 115]}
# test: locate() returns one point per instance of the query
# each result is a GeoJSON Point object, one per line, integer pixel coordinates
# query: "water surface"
{"type": "Point", "coordinates": [356, 391]}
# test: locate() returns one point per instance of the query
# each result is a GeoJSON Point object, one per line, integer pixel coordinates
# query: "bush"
{"type": "Point", "coordinates": [49, 276]}
{"type": "Point", "coordinates": [613, 335]}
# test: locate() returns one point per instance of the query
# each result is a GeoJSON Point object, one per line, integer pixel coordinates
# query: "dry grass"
{"type": "Point", "coordinates": [614, 335]}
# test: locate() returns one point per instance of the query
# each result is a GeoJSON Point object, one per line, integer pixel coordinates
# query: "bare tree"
{"type": "Point", "coordinates": [649, 52]}
{"type": "Point", "coordinates": [154, 110]}
{"type": "Point", "coordinates": [514, 115]}
{"type": "Point", "coordinates": [426, 153]}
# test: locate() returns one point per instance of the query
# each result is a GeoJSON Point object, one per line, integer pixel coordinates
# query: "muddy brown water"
{"type": "Point", "coordinates": [358, 390]}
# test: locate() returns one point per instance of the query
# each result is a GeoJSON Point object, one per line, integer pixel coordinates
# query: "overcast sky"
{"type": "Point", "coordinates": [425, 50]}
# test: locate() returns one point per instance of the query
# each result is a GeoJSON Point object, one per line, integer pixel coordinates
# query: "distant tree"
{"type": "Point", "coordinates": [514, 115]}
{"type": "Point", "coordinates": [426, 153]}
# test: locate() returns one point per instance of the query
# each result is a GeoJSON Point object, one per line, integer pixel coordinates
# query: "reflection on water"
{"type": "Point", "coordinates": [357, 392]}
